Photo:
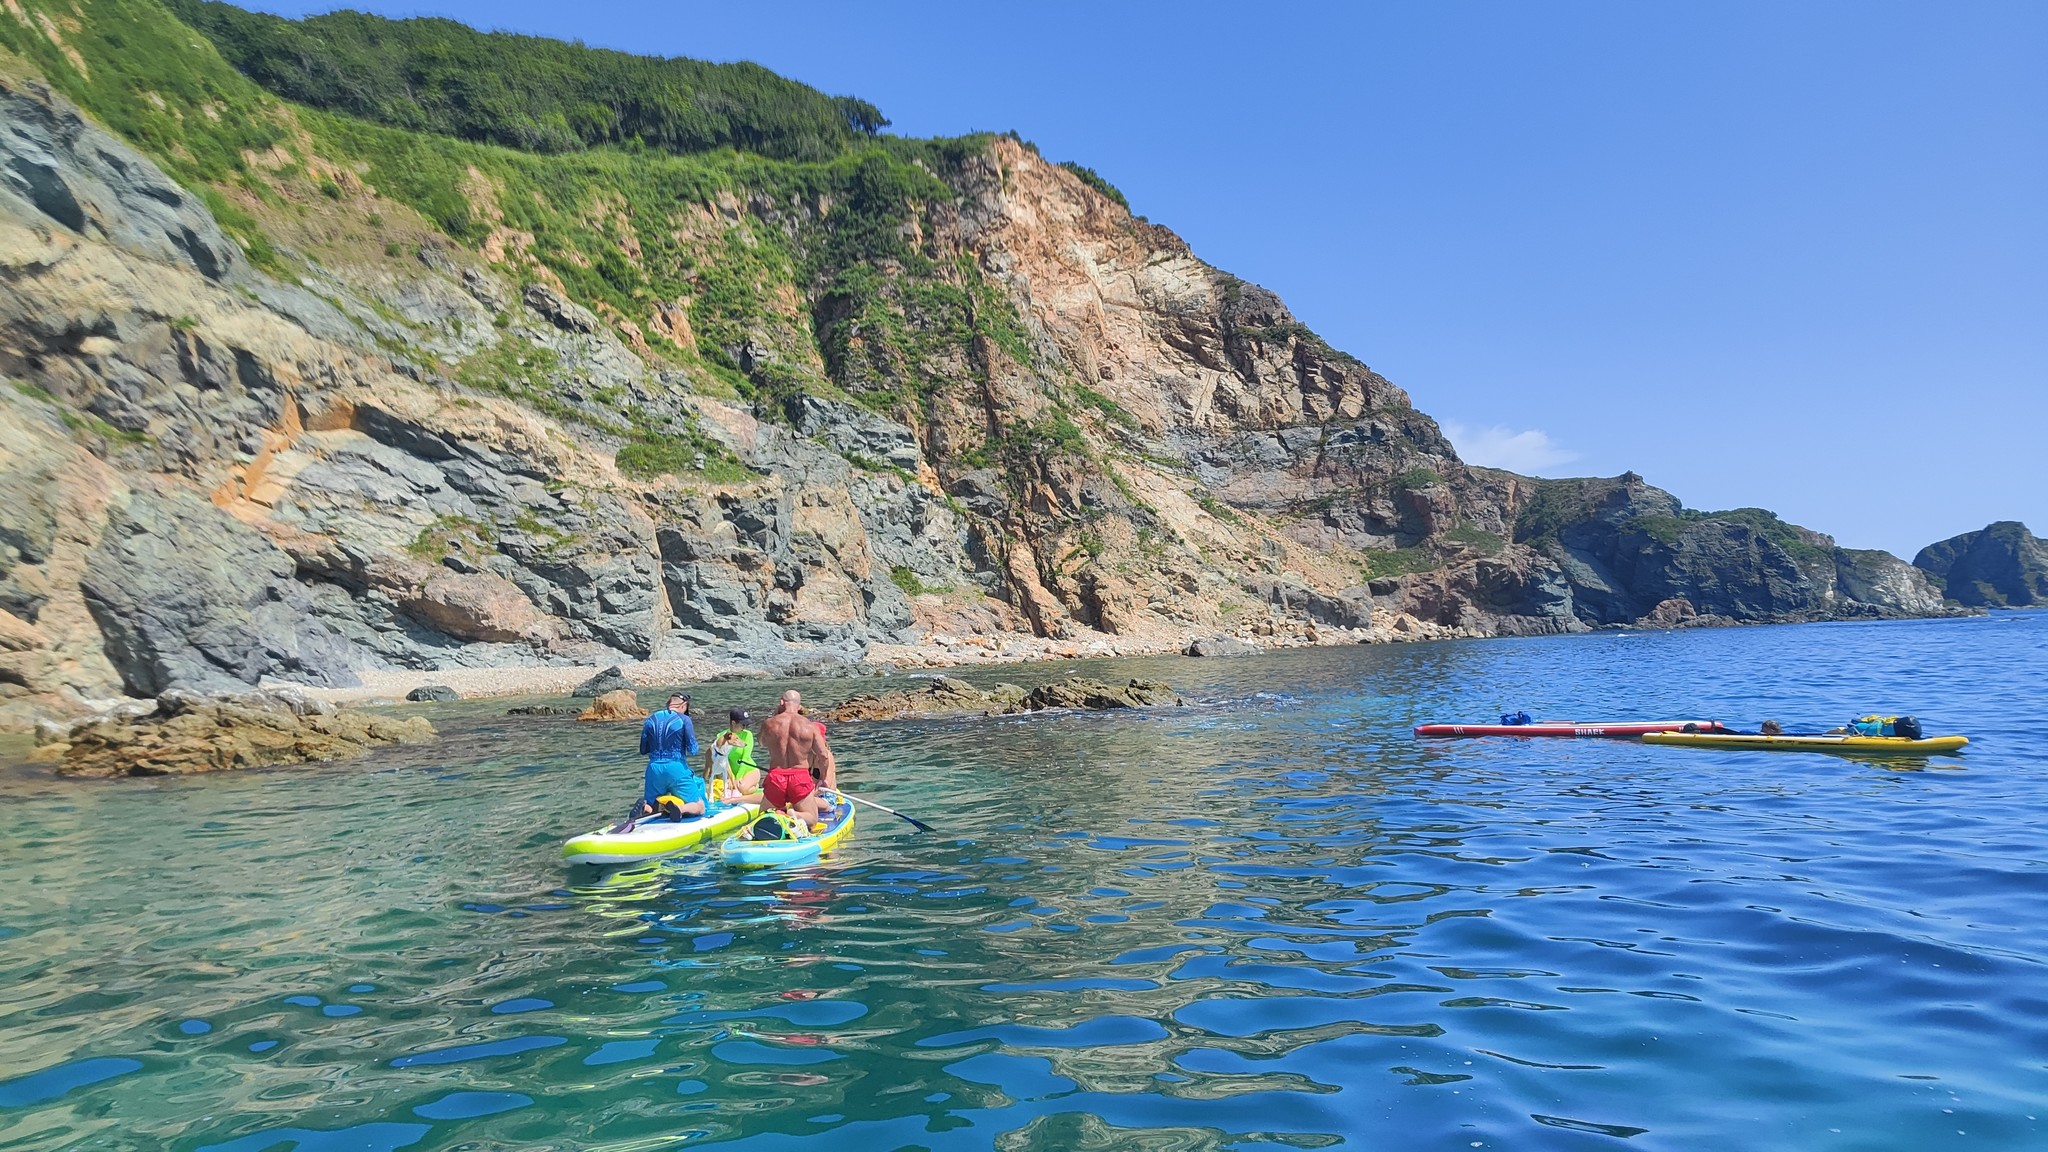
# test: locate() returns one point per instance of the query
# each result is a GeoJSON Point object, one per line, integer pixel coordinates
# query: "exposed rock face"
{"type": "Point", "coordinates": [188, 732]}
{"type": "Point", "coordinates": [1875, 582]}
{"type": "Point", "coordinates": [188, 597]}
{"type": "Point", "coordinates": [209, 477]}
{"type": "Point", "coordinates": [619, 705]}
{"type": "Point", "coordinates": [478, 606]}
{"type": "Point", "coordinates": [54, 164]}
{"type": "Point", "coordinates": [2000, 566]}
{"type": "Point", "coordinates": [559, 310]}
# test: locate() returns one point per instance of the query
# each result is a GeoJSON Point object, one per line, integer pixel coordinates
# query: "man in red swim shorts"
{"type": "Point", "coordinates": [797, 757]}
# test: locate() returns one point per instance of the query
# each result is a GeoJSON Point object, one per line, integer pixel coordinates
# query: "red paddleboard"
{"type": "Point", "coordinates": [1621, 728]}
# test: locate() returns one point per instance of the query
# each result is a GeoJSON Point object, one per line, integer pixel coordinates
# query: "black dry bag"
{"type": "Point", "coordinates": [1907, 727]}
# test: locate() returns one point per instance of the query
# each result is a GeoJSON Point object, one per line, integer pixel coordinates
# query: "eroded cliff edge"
{"type": "Point", "coordinates": [362, 399]}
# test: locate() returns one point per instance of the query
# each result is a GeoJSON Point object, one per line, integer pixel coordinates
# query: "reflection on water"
{"type": "Point", "coordinates": [1270, 920]}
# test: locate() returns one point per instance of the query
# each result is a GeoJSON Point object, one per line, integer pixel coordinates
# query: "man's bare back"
{"type": "Point", "coordinates": [795, 744]}
{"type": "Point", "coordinates": [792, 740]}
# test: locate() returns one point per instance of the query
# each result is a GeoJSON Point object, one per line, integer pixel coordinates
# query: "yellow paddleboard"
{"type": "Point", "coordinates": [1861, 745]}
{"type": "Point", "coordinates": [656, 836]}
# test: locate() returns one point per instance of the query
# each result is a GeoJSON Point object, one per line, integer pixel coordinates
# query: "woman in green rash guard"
{"type": "Point", "coordinates": [731, 755]}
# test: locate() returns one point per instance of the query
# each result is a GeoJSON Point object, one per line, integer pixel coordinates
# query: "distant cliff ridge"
{"type": "Point", "coordinates": [548, 369]}
{"type": "Point", "coordinates": [1999, 566]}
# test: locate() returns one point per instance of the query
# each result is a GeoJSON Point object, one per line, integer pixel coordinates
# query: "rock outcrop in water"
{"type": "Point", "coordinates": [938, 696]}
{"type": "Point", "coordinates": [2000, 566]}
{"type": "Point", "coordinates": [946, 696]}
{"type": "Point", "coordinates": [1081, 692]}
{"type": "Point", "coordinates": [614, 706]}
{"type": "Point", "coordinates": [188, 732]}
{"type": "Point", "coordinates": [382, 410]}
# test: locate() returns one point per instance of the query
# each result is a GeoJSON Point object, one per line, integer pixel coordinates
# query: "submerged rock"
{"type": "Point", "coordinates": [939, 695]}
{"type": "Point", "coordinates": [188, 732]}
{"type": "Point", "coordinates": [539, 710]}
{"type": "Point", "coordinates": [619, 705]}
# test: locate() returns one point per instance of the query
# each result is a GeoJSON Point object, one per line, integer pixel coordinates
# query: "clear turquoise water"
{"type": "Point", "coordinates": [1275, 920]}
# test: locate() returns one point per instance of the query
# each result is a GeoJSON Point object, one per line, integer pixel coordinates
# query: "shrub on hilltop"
{"type": "Point", "coordinates": [527, 92]}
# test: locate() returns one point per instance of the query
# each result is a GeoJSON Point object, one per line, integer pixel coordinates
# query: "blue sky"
{"type": "Point", "coordinates": [1792, 255]}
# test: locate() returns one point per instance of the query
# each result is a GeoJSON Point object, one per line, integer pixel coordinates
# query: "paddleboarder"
{"type": "Point", "coordinates": [798, 758]}
{"type": "Point", "coordinates": [731, 755]}
{"type": "Point", "coordinates": [668, 740]}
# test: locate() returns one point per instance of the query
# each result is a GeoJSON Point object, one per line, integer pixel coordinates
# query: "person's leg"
{"type": "Point", "coordinates": [810, 808]}
{"type": "Point", "coordinates": [664, 779]}
{"type": "Point", "coordinates": [650, 787]}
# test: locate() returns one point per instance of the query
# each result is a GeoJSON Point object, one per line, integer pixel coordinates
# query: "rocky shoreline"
{"type": "Point", "coordinates": [184, 733]}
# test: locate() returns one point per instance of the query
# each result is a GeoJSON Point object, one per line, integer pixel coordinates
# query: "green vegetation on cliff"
{"type": "Point", "coordinates": [774, 250]}
{"type": "Point", "coordinates": [1093, 179]}
{"type": "Point", "coordinates": [541, 95]}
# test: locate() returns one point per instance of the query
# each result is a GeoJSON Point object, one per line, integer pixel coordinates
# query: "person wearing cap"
{"type": "Point", "coordinates": [668, 740]}
{"type": "Point", "coordinates": [731, 755]}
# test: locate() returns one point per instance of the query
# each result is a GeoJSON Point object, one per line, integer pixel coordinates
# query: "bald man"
{"type": "Point", "coordinates": [797, 758]}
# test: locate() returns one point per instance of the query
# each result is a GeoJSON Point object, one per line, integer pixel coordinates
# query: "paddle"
{"type": "Point", "coordinates": [920, 825]}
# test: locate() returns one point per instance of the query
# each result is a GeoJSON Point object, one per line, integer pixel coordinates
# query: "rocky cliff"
{"type": "Point", "coordinates": [2000, 566]}
{"type": "Point", "coordinates": [296, 395]}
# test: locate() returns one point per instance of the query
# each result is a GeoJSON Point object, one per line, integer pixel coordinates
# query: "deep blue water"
{"type": "Point", "coordinates": [1273, 920]}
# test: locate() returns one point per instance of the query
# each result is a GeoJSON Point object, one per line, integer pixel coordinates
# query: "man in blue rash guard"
{"type": "Point", "coordinates": [668, 740]}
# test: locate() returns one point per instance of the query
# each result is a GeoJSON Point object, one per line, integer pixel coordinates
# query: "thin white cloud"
{"type": "Point", "coordinates": [1531, 452]}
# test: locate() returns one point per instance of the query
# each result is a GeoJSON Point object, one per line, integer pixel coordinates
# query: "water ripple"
{"type": "Point", "coordinates": [1274, 921]}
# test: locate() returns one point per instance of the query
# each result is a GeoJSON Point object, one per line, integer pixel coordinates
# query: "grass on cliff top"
{"type": "Point", "coordinates": [1768, 525]}
{"type": "Point", "coordinates": [1093, 179]}
{"type": "Point", "coordinates": [527, 92]}
{"type": "Point", "coordinates": [1669, 530]}
{"type": "Point", "coordinates": [1556, 503]}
